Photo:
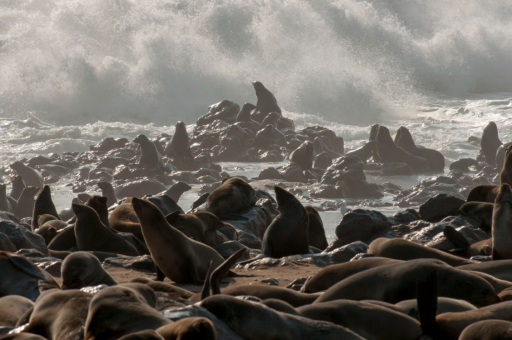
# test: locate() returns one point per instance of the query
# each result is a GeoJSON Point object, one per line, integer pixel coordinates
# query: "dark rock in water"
{"type": "Point", "coordinates": [396, 169]}
{"type": "Point", "coordinates": [108, 144]}
{"type": "Point", "coordinates": [144, 262]}
{"type": "Point", "coordinates": [225, 110]}
{"type": "Point", "coordinates": [323, 259]}
{"type": "Point", "coordinates": [6, 244]}
{"type": "Point", "coordinates": [346, 168]}
{"type": "Point", "coordinates": [362, 225]}
{"type": "Point", "coordinates": [463, 164]}
{"type": "Point", "coordinates": [322, 161]}
{"type": "Point", "coordinates": [227, 249]}
{"type": "Point", "coordinates": [140, 188]}
{"type": "Point", "coordinates": [405, 217]}
{"type": "Point", "coordinates": [440, 206]}
{"type": "Point", "coordinates": [292, 173]}
{"type": "Point", "coordinates": [21, 236]}
{"type": "Point", "coordinates": [184, 176]}
{"type": "Point", "coordinates": [270, 173]}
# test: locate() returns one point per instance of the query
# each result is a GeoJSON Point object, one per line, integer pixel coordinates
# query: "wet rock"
{"type": "Point", "coordinates": [292, 173]}
{"type": "Point", "coordinates": [347, 168]}
{"type": "Point", "coordinates": [184, 176]}
{"type": "Point", "coordinates": [405, 217]}
{"type": "Point", "coordinates": [396, 169]}
{"type": "Point", "coordinates": [362, 225]}
{"type": "Point", "coordinates": [144, 262]}
{"type": "Point", "coordinates": [471, 234]}
{"type": "Point", "coordinates": [361, 256]}
{"type": "Point", "coordinates": [21, 236]}
{"type": "Point", "coordinates": [225, 111]}
{"type": "Point", "coordinates": [108, 144]}
{"type": "Point", "coordinates": [51, 264]}
{"type": "Point", "coordinates": [101, 174]}
{"type": "Point", "coordinates": [140, 188]}
{"type": "Point", "coordinates": [112, 162]}
{"type": "Point", "coordinates": [327, 191]}
{"type": "Point", "coordinates": [270, 173]}
{"type": "Point", "coordinates": [322, 161]}
{"type": "Point", "coordinates": [440, 206]}
{"type": "Point", "coordinates": [6, 244]}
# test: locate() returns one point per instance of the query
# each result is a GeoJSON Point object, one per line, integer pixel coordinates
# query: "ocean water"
{"type": "Point", "coordinates": [97, 68]}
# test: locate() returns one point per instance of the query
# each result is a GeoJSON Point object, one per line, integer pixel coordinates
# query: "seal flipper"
{"type": "Point", "coordinates": [206, 287]}
{"type": "Point", "coordinates": [222, 271]}
{"type": "Point", "coordinates": [455, 237]}
{"type": "Point", "coordinates": [426, 295]}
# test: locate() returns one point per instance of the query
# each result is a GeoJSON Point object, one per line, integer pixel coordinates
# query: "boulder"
{"type": "Point", "coordinates": [362, 225]}
{"type": "Point", "coordinates": [439, 207]}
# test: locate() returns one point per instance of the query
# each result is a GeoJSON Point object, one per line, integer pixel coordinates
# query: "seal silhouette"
{"type": "Point", "coordinates": [17, 187]}
{"type": "Point", "coordinates": [43, 205]}
{"type": "Point", "coordinates": [288, 233]}
{"type": "Point", "coordinates": [31, 177]}
{"type": "Point", "coordinates": [150, 158]}
{"type": "Point", "coordinates": [304, 155]}
{"type": "Point", "coordinates": [107, 190]}
{"type": "Point", "coordinates": [502, 224]}
{"type": "Point", "coordinates": [233, 196]}
{"type": "Point", "coordinates": [506, 171]}
{"type": "Point", "coordinates": [316, 232]}
{"type": "Point", "coordinates": [266, 102]}
{"type": "Point", "coordinates": [490, 143]}
{"type": "Point", "coordinates": [403, 139]}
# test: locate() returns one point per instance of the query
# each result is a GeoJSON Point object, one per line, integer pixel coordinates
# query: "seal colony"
{"type": "Point", "coordinates": [441, 268]}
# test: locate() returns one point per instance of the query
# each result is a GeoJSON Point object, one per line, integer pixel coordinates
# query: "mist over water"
{"type": "Point", "coordinates": [348, 61]}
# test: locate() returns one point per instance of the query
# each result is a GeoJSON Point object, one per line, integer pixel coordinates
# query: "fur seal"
{"type": "Point", "coordinates": [5, 205]}
{"type": "Point", "coordinates": [365, 152]}
{"type": "Point", "coordinates": [400, 282]}
{"type": "Point", "coordinates": [17, 187]}
{"type": "Point", "coordinates": [502, 224]}
{"type": "Point", "coordinates": [266, 102]}
{"type": "Point", "coordinates": [176, 190]}
{"type": "Point", "coordinates": [120, 310]}
{"type": "Point", "coordinates": [31, 177]}
{"type": "Point", "coordinates": [43, 205]}
{"type": "Point", "coordinates": [107, 190]}
{"type": "Point", "coordinates": [233, 196]}
{"type": "Point", "coordinates": [150, 158]}
{"type": "Point", "coordinates": [288, 233]}
{"type": "Point", "coordinates": [388, 151]}
{"type": "Point", "coordinates": [483, 193]}
{"type": "Point", "coordinates": [500, 155]}
{"type": "Point", "coordinates": [304, 155]}
{"type": "Point", "coordinates": [24, 277]}
{"type": "Point", "coordinates": [124, 219]}
{"type": "Point", "coordinates": [12, 308]}
{"type": "Point", "coordinates": [99, 204]}
{"type": "Point", "coordinates": [201, 226]}
{"type": "Point", "coordinates": [189, 328]}
{"type": "Point", "coordinates": [179, 146]}
{"type": "Point", "coordinates": [462, 246]}
{"type": "Point", "coordinates": [490, 143]}
{"type": "Point", "coordinates": [480, 211]}
{"type": "Point", "coordinates": [488, 330]}
{"type": "Point", "coordinates": [91, 234]}
{"type": "Point", "coordinates": [64, 240]}
{"type": "Point", "coordinates": [330, 275]}
{"type": "Point", "coordinates": [506, 171]}
{"type": "Point", "coordinates": [25, 205]}
{"type": "Point", "coordinates": [501, 269]}
{"type": "Point", "coordinates": [400, 249]}
{"type": "Point", "coordinates": [181, 259]}
{"type": "Point", "coordinates": [316, 232]}
{"type": "Point", "coordinates": [410, 307]}
{"type": "Point", "coordinates": [244, 115]}
{"type": "Point", "coordinates": [404, 140]}
{"type": "Point", "coordinates": [240, 315]}
{"type": "Point", "coordinates": [59, 314]}
{"type": "Point", "coordinates": [82, 269]}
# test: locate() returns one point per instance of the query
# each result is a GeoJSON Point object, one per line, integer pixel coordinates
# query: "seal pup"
{"type": "Point", "coordinates": [120, 310]}
{"type": "Point", "coordinates": [181, 259]}
{"type": "Point", "coordinates": [502, 225]}
{"type": "Point", "coordinates": [233, 196]}
{"type": "Point", "coordinates": [5, 205]}
{"type": "Point", "coordinates": [401, 249]}
{"type": "Point", "coordinates": [316, 232]}
{"type": "Point", "coordinates": [400, 282]}
{"type": "Point", "coordinates": [31, 177]}
{"type": "Point", "coordinates": [12, 308]}
{"type": "Point", "coordinates": [266, 102]}
{"type": "Point", "coordinates": [17, 187]}
{"type": "Point", "coordinates": [24, 276]}
{"type": "Point", "coordinates": [304, 156]}
{"type": "Point", "coordinates": [490, 143]}
{"type": "Point", "coordinates": [150, 158]}
{"type": "Point", "coordinates": [107, 190]}
{"type": "Point", "coordinates": [240, 316]}
{"type": "Point", "coordinates": [59, 314]}
{"type": "Point", "coordinates": [483, 193]}
{"type": "Point", "coordinates": [25, 205]}
{"type": "Point", "coordinates": [91, 234]}
{"type": "Point", "coordinates": [506, 171]}
{"type": "Point", "coordinates": [488, 330]}
{"type": "Point", "coordinates": [43, 205]}
{"type": "Point", "coordinates": [82, 269]}
{"type": "Point", "coordinates": [330, 275]}
{"type": "Point", "coordinates": [189, 328]}
{"type": "Point", "coordinates": [288, 233]}
{"type": "Point", "coordinates": [388, 151]}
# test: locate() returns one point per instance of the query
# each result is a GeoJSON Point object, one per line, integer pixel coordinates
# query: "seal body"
{"type": "Point", "coordinates": [490, 143]}
{"type": "Point", "coordinates": [502, 225]}
{"type": "Point", "coordinates": [31, 177]}
{"type": "Point", "coordinates": [82, 269]}
{"type": "Point", "coordinates": [150, 158]}
{"type": "Point", "coordinates": [233, 196]}
{"type": "Point", "coordinates": [288, 233]}
{"type": "Point", "coordinates": [43, 205]}
{"type": "Point", "coordinates": [506, 171]}
{"type": "Point", "coordinates": [304, 155]}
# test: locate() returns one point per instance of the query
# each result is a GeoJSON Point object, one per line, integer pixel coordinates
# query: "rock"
{"type": "Point", "coordinates": [322, 161]}
{"type": "Point", "coordinates": [108, 144]}
{"type": "Point", "coordinates": [362, 225]}
{"type": "Point", "coordinates": [404, 217]}
{"type": "Point", "coordinates": [440, 206]}
{"type": "Point", "coordinates": [327, 191]}
{"type": "Point", "coordinates": [270, 173]}
{"type": "Point", "coordinates": [347, 168]}
{"type": "Point", "coordinates": [227, 249]}
{"type": "Point", "coordinates": [396, 169]}
{"type": "Point", "coordinates": [6, 244]}
{"type": "Point", "coordinates": [144, 262]}
{"type": "Point", "coordinates": [225, 110]}
{"type": "Point", "coordinates": [292, 173]}
{"type": "Point", "coordinates": [140, 188]}
{"type": "Point", "coordinates": [21, 236]}
{"type": "Point", "coordinates": [271, 282]}
{"type": "Point", "coordinates": [297, 284]}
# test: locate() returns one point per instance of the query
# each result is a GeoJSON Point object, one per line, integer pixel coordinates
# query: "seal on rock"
{"type": "Point", "coordinates": [25, 205]}
{"type": "Point", "coordinates": [483, 193]}
{"type": "Point", "coordinates": [107, 190]}
{"type": "Point", "coordinates": [304, 155]}
{"type": "Point", "coordinates": [233, 196]}
{"type": "Point", "coordinates": [266, 102]}
{"type": "Point", "coordinates": [201, 226]}
{"type": "Point", "coordinates": [316, 232]}
{"type": "Point", "coordinates": [43, 205]}
{"type": "Point", "coordinates": [490, 143]}
{"type": "Point", "coordinates": [506, 171]}
{"type": "Point", "coordinates": [435, 159]}
{"type": "Point", "coordinates": [17, 187]}
{"type": "Point", "coordinates": [288, 233]}
{"type": "Point", "coordinates": [502, 225]}
{"type": "Point", "coordinates": [150, 158]}
{"type": "Point", "coordinates": [480, 211]}
{"type": "Point", "coordinates": [31, 177]}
